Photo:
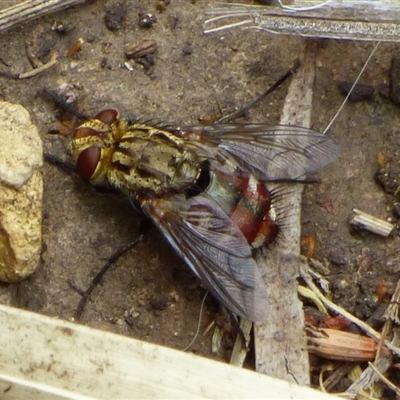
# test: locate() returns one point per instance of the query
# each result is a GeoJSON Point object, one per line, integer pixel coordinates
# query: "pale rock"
{"type": "Point", "coordinates": [21, 190]}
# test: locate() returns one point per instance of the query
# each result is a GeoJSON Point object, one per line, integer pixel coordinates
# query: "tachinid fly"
{"type": "Point", "coordinates": [205, 189]}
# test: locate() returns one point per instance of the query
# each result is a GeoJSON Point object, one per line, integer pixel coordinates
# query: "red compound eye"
{"type": "Point", "coordinates": [87, 161]}
{"type": "Point", "coordinates": [107, 116]}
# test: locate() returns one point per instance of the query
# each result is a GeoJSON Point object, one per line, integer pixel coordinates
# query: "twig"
{"type": "Point", "coordinates": [385, 380]}
{"type": "Point", "coordinates": [239, 352]}
{"type": "Point", "coordinates": [362, 220]}
{"type": "Point", "coordinates": [41, 68]}
{"type": "Point", "coordinates": [31, 9]}
{"type": "Point", "coordinates": [392, 312]}
{"type": "Point", "coordinates": [391, 316]}
{"type": "Point", "coordinates": [335, 377]}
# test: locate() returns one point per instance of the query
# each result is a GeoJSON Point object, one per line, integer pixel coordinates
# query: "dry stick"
{"type": "Point", "coordinates": [335, 377]}
{"type": "Point", "coordinates": [369, 375]}
{"type": "Point", "coordinates": [391, 316]}
{"type": "Point", "coordinates": [28, 10]}
{"type": "Point", "coordinates": [41, 68]}
{"type": "Point", "coordinates": [239, 352]}
{"type": "Point", "coordinates": [281, 342]}
{"type": "Point", "coordinates": [385, 380]}
{"type": "Point", "coordinates": [341, 311]}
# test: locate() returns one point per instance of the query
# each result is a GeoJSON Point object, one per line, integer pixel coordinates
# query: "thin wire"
{"type": "Point", "coordinates": [353, 86]}
{"type": "Point", "coordinates": [198, 324]}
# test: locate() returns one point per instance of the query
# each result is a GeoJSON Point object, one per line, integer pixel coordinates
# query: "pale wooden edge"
{"type": "Point", "coordinates": [31, 9]}
{"type": "Point", "coordinates": [46, 358]}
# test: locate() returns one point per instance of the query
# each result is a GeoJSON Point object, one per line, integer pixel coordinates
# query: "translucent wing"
{"type": "Point", "coordinates": [215, 249]}
{"type": "Point", "coordinates": [271, 152]}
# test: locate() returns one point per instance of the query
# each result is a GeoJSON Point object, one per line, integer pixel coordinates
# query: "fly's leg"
{"type": "Point", "coordinates": [243, 111]}
{"type": "Point", "coordinates": [109, 262]}
{"type": "Point", "coordinates": [143, 228]}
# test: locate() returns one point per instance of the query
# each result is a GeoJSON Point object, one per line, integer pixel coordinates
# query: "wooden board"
{"type": "Point", "coordinates": [46, 358]}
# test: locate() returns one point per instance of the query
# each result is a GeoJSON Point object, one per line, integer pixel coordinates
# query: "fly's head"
{"type": "Point", "coordinates": [93, 144]}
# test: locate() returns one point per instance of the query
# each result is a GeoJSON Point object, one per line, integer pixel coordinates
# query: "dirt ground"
{"type": "Point", "coordinates": [150, 294]}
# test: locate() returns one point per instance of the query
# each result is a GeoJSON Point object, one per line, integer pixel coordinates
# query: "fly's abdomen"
{"type": "Point", "coordinates": [248, 203]}
{"type": "Point", "coordinates": [254, 213]}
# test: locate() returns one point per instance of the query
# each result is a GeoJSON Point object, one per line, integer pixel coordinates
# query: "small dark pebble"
{"type": "Point", "coordinates": [61, 29]}
{"type": "Point", "coordinates": [395, 80]}
{"type": "Point", "coordinates": [360, 92]}
{"type": "Point", "coordinates": [130, 320]}
{"type": "Point", "coordinates": [159, 303]}
{"type": "Point", "coordinates": [103, 62]}
{"type": "Point", "coordinates": [114, 17]}
{"type": "Point", "coordinates": [146, 20]}
{"type": "Point", "coordinates": [389, 179]}
{"type": "Point", "coordinates": [187, 50]}
{"type": "Point", "coordinates": [377, 319]}
{"type": "Point", "coordinates": [173, 22]}
{"type": "Point", "coordinates": [337, 259]}
{"type": "Point", "coordinates": [45, 48]}
{"type": "Point", "coordinates": [396, 210]}
{"type": "Point", "coordinates": [384, 91]}
{"type": "Point", "coordinates": [364, 307]}
{"type": "Point", "coordinates": [147, 61]}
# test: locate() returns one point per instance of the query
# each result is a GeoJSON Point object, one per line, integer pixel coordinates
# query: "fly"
{"type": "Point", "coordinates": [206, 189]}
